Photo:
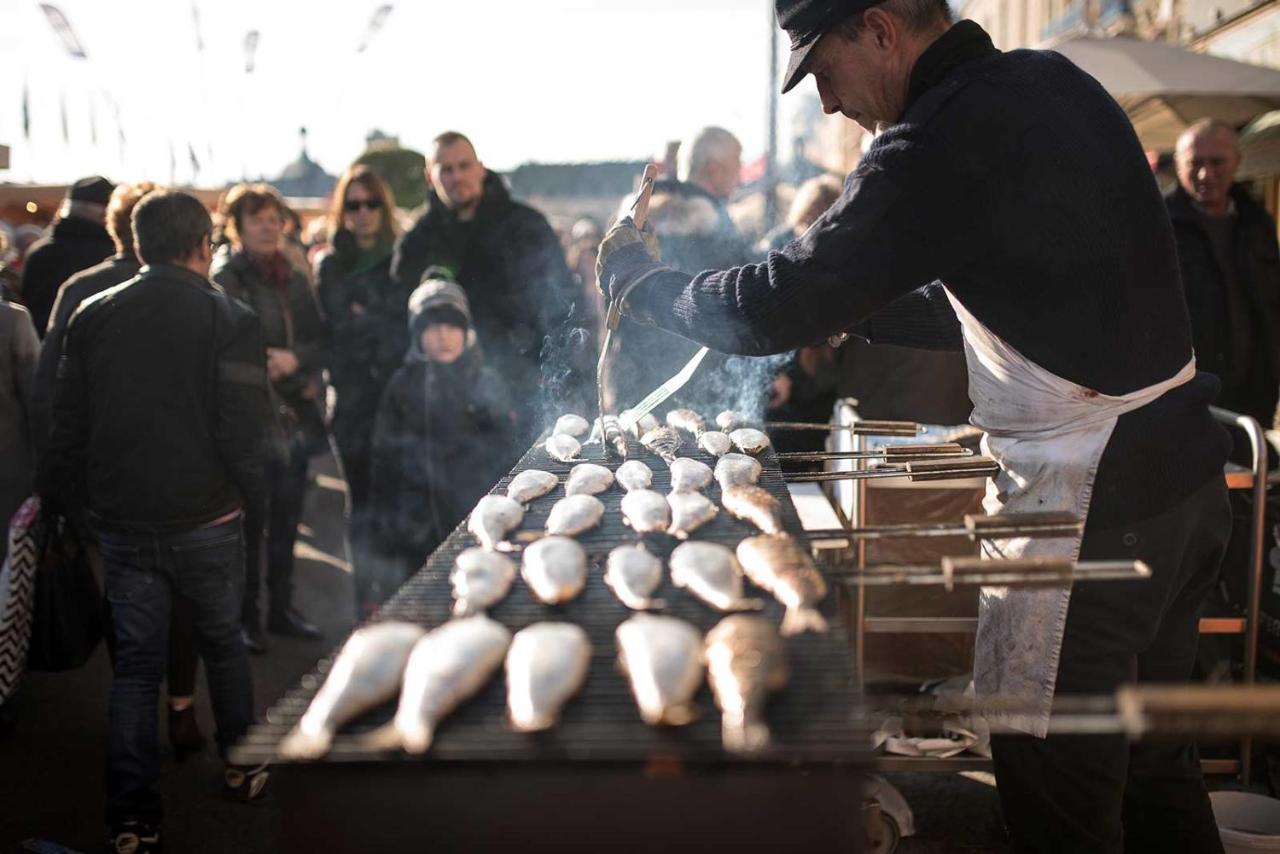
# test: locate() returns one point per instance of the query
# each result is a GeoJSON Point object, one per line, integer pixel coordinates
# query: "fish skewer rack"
{"type": "Point", "coordinates": [600, 779]}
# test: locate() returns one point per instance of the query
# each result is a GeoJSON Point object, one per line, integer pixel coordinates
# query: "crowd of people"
{"type": "Point", "coordinates": [168, 374]}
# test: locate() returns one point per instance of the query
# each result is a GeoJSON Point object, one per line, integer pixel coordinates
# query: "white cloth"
{"type": "Point", "coordinates": [1048, 435]}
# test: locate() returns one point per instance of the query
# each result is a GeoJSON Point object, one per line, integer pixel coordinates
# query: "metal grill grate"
{"type": "Point", "coordinates": [811, 719]}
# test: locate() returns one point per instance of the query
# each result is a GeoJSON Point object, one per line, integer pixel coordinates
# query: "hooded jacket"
{"type": "Point", "coordinates": [443, 436]}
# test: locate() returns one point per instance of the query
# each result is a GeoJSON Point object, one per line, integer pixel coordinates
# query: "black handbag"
{"type": "Point", "coordinates": [66, 623]}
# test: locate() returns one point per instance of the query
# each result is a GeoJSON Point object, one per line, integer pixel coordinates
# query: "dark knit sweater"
{"type": "Point", "coordinates": [1014, 178]}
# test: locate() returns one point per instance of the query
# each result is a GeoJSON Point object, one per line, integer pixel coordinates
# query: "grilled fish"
{"type": "Point", "coordinates": [446, 668]}
{"type": "Point", "coordinates": [572, 515]}
{"type": "Point", "coordinates": [755, 505]}
{"type": "Point", "coordinates": [689, 475]}
{"type": "Point", "coordinates": [563, 448]}
{"type": "Point", "coordinates": [662, 657]}
{"type": "Point", "coordinates": [480, 579]}
{"type": "Point", "coordinates": [365, 675]}
{"type": "Point", "coordinates": [689, 512]}
{"type": "Point", "coordinates": [555, 568]}
{"type": "Point", "coordinates": [493, 518]}
{"type": "Point", "coordinates": [728, 420]}
{"type": "Point", "coordinates": [663, 441]}
{"type": "Point", "coordinates": [749, 440]}
{"type": "Point", "coordinates": [687, 420]}
{"type": "Point", "coordinates": [646, 511]}
{"type": "Point", "coordinates": [633, 574]}
{"type": "Point", "coordinates": [646, 423]}
{"type": "Point", "coordinates": [715, 443]}
{"type": "Point", "coordinates": [588, 479]}
{"type": "Point", "coordinates": [546, 665]}
{"type": "Point", "coordinates": [737, 470]}
{"type": "Point", "coordinates": [779, 564]}
{"type": "Point", "coordinates": [571, 425]}
{"type": "Point", "coordinates": [634, 475]}
{"type": "Point", "coordinates": [530, 484]}
{"type": "Point", "coordinates": [746, 659]}
{"type": "Point", "coordinates": [712, 573]}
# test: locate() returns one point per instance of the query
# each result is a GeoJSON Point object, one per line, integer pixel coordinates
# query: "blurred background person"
{"type": "Point", "coordinates": [254, 270]}
{"type": "Point", "coordinates": [443, 414]}
{"type": "Point", "coordinates": [19, 350]}
{"type": "Point", "coordinates": [582, 243]}
{"type": "Point", "coordinates": [292, 244]}
{"type": "Point", "coordinates": [811, 200]}
{"type": "Point", "coordinates": [366, 314]}
{"type": "Point", "coordinates": [10, 273]}
{"type": "Point", "coordinates": [77, 239]}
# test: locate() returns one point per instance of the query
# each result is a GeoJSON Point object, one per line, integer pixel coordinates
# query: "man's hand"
{"type": "Point", "coordinates": [280, 363]}
{"type": "Point", "coordinates": [626, 253]}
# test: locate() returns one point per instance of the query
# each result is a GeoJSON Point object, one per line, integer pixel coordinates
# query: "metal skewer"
{"type": "Point", "coordinates": [889, 452]}
{"type": "Point", "coordinates": [1024, 572]}
{"type": "Point", "coordinates": [858, 428]}
{"type": "Point", "coordinates": [975, 527]}
{"type": "Point", "coordinates": [922, 470]}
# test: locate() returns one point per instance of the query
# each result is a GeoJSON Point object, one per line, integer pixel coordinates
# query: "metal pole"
{"type": "Point", "coordinates": [771, 149]}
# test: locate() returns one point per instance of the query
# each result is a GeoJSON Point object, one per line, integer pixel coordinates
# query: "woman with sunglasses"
{"type": "Point", "coordinates": [367, 317]}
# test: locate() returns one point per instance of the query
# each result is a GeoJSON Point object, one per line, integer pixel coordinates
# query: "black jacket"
{"type": "Point", "coordinates": [159, 405]}
{"type": "Point", "coordinates": [87, 283]}
{"type": "Point", "coordinates": [72, 244]}
{"type": "Point", "coordinates": [1256, 263]}
{"type": "Point", "coordinates": [442, 440]}
{"type": "Point", "coordinates": [513, 269]}
{"type": "Point", "coordinates": [1019, 182]}
{"type": "Point", "coordinates": [366, 317]}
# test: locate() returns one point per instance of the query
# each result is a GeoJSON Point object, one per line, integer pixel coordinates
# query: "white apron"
{"type": "Point", "coordinates": [1048, 435]}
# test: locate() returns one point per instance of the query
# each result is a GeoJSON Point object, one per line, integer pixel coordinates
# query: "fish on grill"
{"type": "Point", "coordinates": [689, 512]}
{"type": "Point", "coordinates": [689, 475]}
{"type": "Point", "coordinates": [445, 669]}
{"type": "Point", "coordinates": [555, 568]}
{"type": "Point", "coordinates": [749, 440]}
{"type": "Point", "coordinates": [755, 505]}
{"type": "Point", "coordinates": [687, 420]}
{"type": "Point", "coordinates": [663, 441]}
{"type": "Point", "coordinates": [563, 448]}
{"type": "Point", "coordinates": [633, 475]}
{"type": "Point", "coordinates": [571, 425]}
{"type": "Point", "coordinates": [530, 484]}
{"type": "Point", "coordinates": [646, 423]}
{"type": "Point", "coordinates": [546, 666]}
{"type": "Point", "coordinates": [574, 514]}
{"type": "Point", "coordinates": [715, 443]}
{"type": "Point", "coordinates": [588, 479]}
{"type": "Point", "coordinates": [633, 574]}
{"type": "Point", "coordinates": [728, 420]}
{"type": "Point", "coordinates": [737, 470]}
{"type": "Point", "coordinates": [711, 572]}
{"type": "Point", "coordinates": [662, 658]}
{"type": "Point", "coordinates": [781, 566]}
{"type": "Point", "coordinates": [366, 674]}
{"type": "Point", "coordinates": [646, 511]}
{"type": "Point", "coordinates": [493, 518]}
{"type": "Point", "coordinates": [480, 579]}
{"type": "Point", "coordinates": [746, 660]}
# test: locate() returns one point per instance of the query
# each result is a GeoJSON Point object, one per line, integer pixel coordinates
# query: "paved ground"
{"type": "Point", "coordinates": [52, 760]}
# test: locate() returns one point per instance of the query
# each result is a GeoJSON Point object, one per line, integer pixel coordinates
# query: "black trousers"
{"type": "Point", "coordinates": [287, 490]}
{"type": "Point", "coordinates": [1101, 794]}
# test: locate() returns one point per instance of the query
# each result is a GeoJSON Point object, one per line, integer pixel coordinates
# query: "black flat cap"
{"type": "Point", "coordinates": [94, 189]}
{"type": "Point", "coordinates": [806, 21]}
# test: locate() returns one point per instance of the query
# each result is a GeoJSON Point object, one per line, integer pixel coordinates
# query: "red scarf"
{"type": "Point", "coordinates": [275, 269]}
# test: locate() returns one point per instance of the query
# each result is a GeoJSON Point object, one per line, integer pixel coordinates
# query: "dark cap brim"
{"type": "Point", "coordinates": [797, 67]}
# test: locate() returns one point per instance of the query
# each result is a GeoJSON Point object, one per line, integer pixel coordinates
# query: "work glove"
{"type": "Point", "coordinates": [626, 254]}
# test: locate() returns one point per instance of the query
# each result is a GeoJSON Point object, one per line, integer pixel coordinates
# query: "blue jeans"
{"type": "Point", "coordinates": [144, 572]}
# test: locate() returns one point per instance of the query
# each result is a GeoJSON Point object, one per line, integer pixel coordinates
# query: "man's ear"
{"type": "Point", "coordinates": [882, 27]}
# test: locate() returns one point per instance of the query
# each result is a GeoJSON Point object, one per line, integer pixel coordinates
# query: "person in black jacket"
{"type": "Point", "coordinates": [1006, 206]}
{"type": "Point", "coordinates": [157, 432]}
{"type": "Point", "coordinates": [1230, 267]}
{"type": "Point", "coordinates": [513, 268]}
{"type": "Point", "coordinates": [76, 240]}
{"type": "Point", "coordinates": [444, 419]}
{"type": "Point", "coordinates": [366, 313]}
{"type": "Point", "coordinates": [257, 273]}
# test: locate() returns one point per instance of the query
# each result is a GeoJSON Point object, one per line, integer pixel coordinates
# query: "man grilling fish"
{"type": "Point", "coordinates": [1006, 208]}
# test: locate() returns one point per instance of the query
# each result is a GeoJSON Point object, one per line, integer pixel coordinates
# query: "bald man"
{"type": "Point", "coordinates": [1230, 270]}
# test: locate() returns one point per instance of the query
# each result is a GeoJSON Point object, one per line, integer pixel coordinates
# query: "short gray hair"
{"type": "Point", "coordinates": [711, 144]}
{"type": "Point", "coordinates": [917, 15]}
{"type": "Point", "coordinates": [1204, 126]}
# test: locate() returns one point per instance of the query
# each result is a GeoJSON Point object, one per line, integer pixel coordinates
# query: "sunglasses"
{"type": "Point", "coordinates": [356, 204]}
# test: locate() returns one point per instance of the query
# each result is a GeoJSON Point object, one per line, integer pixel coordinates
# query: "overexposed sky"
{"type": "Point", "coordinates": [528, 80]}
